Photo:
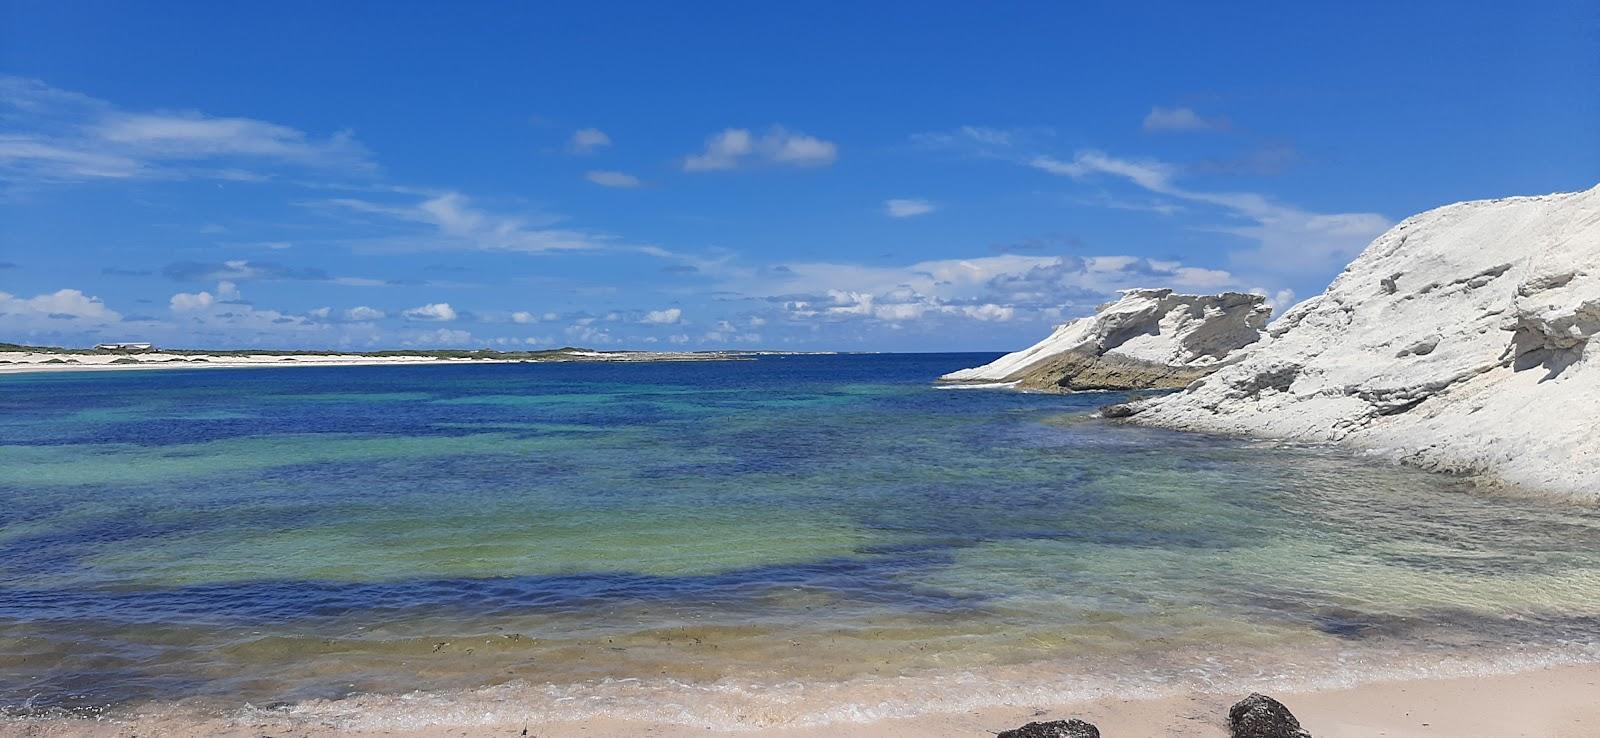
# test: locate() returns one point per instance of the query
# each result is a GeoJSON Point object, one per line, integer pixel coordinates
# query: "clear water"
{"type": "Point", "coordinates": [791, 539]}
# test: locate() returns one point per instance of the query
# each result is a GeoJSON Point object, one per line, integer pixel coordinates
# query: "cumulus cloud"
{"type": "Point", "coordinates": [907, 208]}
{"type": "Point", "coordinates": [190, 301]}
{"type": "Point", "coordinates": [612, 179]}
{"type": "Point", "coordinates": [1181, 119]}
{"type": "Point", "coordinates": [436, 311]}
{"type": "Point", "coordinates": [669, 316]}
{"type": "Point", "coordinates": [735, 147]}
{"type": "Point", "coordinates": [585, 333]}
{"type": "Point", "coordinates": [442, 337]}
{"type": "Point", "coordinates": [54, 309]}
{"type": "Point", "coordinates": [588, 140]}
{"type": "Point", "coordinates": [362, 313]}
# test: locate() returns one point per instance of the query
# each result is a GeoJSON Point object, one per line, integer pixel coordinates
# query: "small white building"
{"type": "Point", "coordinates": [125, 346]}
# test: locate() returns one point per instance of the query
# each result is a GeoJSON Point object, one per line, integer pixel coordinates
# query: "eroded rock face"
{"type": "Point", "coordinates": [1260, 716]}
{"type": "Point", "coordinates": [1460, 341]}
{"type": "Point", "coordinates": [1054, 729]}
{"type": "Point", "coordinates": [1148, 339]}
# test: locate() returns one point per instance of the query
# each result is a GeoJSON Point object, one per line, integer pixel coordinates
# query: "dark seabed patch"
{"type": "Point", "coordinates": [264, 535]}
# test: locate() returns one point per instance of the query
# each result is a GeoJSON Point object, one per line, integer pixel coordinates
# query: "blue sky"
{"type": "Point", "coordinates": [862, 176]}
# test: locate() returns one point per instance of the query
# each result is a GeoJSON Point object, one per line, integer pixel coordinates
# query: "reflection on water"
{"type": "Point", "coordinates": [808, 538]}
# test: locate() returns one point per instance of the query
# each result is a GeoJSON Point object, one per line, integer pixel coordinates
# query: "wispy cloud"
{"type": "Point", "coordinates": [612, 179]}
{"type": "Point", "coordinates": [1290, 240]}
{"type": "Point", "coordinates": [1180, 119]}
{"type": "Point", "coordinates": [455, 223]}
{"type": "Point", "coordinates": [238, 270]}
{"type": "Point", "coordinates": [736, 147]}
{"type": "Point", "coordinates": [988, 289]}
{"type": "Point", "coordinates": [57, 135]}
{"type": "Point", "coordinates": [907, 208]}
{"type": "Point", "coordinates": [588, 141]}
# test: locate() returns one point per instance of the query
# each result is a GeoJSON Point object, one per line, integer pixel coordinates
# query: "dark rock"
{"type": "Point", "coordinates": [1119, 410]}
{"type": "Point", "coordinates": [1260, 716]}
{"type": "Point", "coordinates": [1054, 729]}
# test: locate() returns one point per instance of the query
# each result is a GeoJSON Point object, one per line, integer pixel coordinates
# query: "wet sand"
{"type": "Point", "coordinates": [1555, 702]}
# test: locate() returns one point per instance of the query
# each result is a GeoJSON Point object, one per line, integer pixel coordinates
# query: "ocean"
{"type": "Point", "coordinates": [779, 541]}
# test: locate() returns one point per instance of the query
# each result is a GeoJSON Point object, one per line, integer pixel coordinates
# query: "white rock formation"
{"type": "Point", "coordinates": [1458, 341]}
{"type": "Point", "coordinates": [1150, 338]}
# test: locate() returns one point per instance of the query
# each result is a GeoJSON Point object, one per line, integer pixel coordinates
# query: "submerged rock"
{"type": "Point", "coordinates": [1148, 339]}
{"type": "Point", "coordinates": [1459, 341]}
{"type": "Point", "coordinates": [1260, 716]}
{"type": "Point", "coordinates": [1055, 729]}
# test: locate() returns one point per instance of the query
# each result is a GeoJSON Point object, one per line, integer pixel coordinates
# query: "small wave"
{"type": "Point", "coordinates": [731, 705]}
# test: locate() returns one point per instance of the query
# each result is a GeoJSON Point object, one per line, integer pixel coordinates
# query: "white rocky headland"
{"type": "Point", "coordinates": [1458, 341]}
{"type": "Point", "coordinates": [1150, 338]}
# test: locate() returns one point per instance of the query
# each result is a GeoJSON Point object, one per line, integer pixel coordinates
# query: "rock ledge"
{"type": "Point", "coordinates": [1148, 339]}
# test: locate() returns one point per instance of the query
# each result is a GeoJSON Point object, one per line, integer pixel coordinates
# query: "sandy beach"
{"type": "Point", "coordinates": [26, 362]}
{"type": "Point", "coordinates": [1556, 702]}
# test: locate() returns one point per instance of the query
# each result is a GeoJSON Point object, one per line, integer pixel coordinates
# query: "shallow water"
{"type": "Point", "coordinates": [790, 539]}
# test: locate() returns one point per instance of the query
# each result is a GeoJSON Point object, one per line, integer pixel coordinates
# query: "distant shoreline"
{"type": "Point", "coordinates": [31, 359]}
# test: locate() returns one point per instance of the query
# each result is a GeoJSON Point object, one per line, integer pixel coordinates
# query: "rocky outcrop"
{"type": "Point", "coordinates": [1458, 341]}
{"type": "Point", "coordinates": [1148, 339]}
{"type": "Point", "coordinates": [1260, 716]}
{"type": "Point", "coordinates": [1053, 729]}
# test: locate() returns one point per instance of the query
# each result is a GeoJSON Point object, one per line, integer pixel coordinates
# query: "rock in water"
{"type": "Point", "coordinates": [1055, 729]}
{"type": "Point", "coordinates": [1148, 339]}
{"type": "Point", "coordinates": [1260, 716]}
{"type": "Point", "coordinates": [1459, 341]}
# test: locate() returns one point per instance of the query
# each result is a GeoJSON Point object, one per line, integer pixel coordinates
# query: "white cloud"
{"type": "Point", "coordinates": [990, 311]}
{"type": "Point", "coordinates": [362, 312]}
{"type": "Point", "coordinates": [1181, 119]}
{"type": "Point", "coordinates": [907, 208]}
{"type": "Point", "coordinates": [1290, 240]}
{"type": "Point", "coordinates": [723, 151]}
{"type": "Point", "coordinates": [588, 140]}
{"type": "Point", "coordinates": [1280, 301]}
{"type": "Point", "coordinates": [190, 301]}
{"type": "Point", "coordinates": [669, 316]}
{"type": "Point", "coordinates": [358, 282]}
{"type": "Point", "coordinates": [523, 316]}
{"type": "Point", "coordinates": [320, 313]}
{"type": "Point", "coordinates": [436, 311]}
{"type": "Point", "coordinates": [460, 225]}
{"type": "Point", "coordinates": [52, 307]}
{"type": "Point", "coordinates": [58, 135]}
{"type": "Point", "coordinates": [798, 149]}
{"type": "Point", "coordinates": [612, 179]}
{"type": "Point", "coordinates": [200, 301]}
{"type": "Point", "coordinates": [585, 333]}
{"type": "Point", "coordinates": [1003, 288]}
{"type": "Point", "coordinates": [735, 147]}
{"type": "Point", "coordinates": [446, 337]}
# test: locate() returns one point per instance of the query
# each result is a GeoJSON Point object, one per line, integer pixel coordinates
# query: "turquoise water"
{"type": "Point", "coordinates": [809, 538]}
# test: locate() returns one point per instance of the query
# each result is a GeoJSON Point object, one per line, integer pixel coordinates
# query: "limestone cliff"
{"type": "Point", "coordinates": [1458, 341]}
{"type": "Point", "coordinates": [1150, 338]}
